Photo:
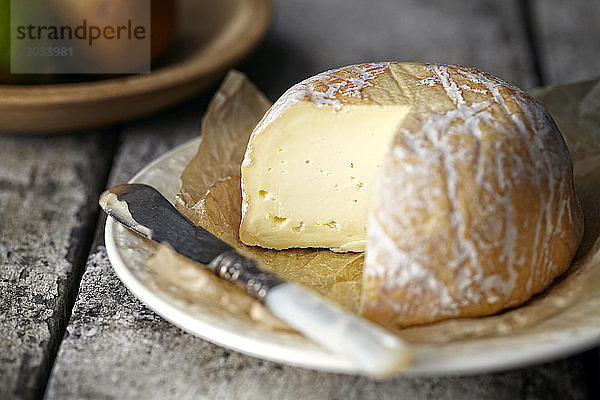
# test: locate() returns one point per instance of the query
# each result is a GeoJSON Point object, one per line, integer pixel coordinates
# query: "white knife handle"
{"type": "Point", "coordinates": [374, 351]}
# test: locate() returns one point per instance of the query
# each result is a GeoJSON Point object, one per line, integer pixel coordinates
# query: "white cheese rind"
{"type": "Point", "coordinates": [474, 210]}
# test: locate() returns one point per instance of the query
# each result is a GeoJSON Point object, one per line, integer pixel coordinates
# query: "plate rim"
{"type": "Point", "coordinates": [511, 357]}
{"type": "Point", "coordinates": [327, 361]}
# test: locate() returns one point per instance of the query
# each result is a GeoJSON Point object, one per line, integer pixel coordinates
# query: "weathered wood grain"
{"type": "Point", "coordinates": [567, 35]}
{"type": "Point", "coordinates": [100, 353]}
{"type": "Point", "coordinates": [115, 347]}
{"type": "Point", "coordinates": [311, 36]}
{"type": "Point", "coordinates": [47, 191]}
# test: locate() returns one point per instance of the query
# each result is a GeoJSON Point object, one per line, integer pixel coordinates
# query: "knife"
{"type": "Point", "coordinates": [373, 351]}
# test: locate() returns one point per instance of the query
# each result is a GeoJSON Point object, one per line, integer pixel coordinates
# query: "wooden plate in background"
{"type": "Point", "coordinates": [212, 37]}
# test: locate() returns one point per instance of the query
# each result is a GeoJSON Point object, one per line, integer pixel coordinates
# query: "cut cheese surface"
{"type": "Point", "coordinates": [307, 177]}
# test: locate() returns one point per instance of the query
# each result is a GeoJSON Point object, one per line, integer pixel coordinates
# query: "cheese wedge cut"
{"type": "Point", "coordinates": [460, 185]}
{"type": "Point", "coordinates": [307, 177]}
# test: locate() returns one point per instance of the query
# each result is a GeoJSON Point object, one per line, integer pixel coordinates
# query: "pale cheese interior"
{"type": "Point", "coordinates": [307, 177]}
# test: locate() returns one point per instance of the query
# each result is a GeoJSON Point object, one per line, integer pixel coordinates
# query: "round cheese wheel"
{"type": "Point", "coordinates": [463, 181]}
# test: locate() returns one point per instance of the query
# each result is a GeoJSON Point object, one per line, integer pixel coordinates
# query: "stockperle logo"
{"type": "Point", "coordinates": [79, 36]}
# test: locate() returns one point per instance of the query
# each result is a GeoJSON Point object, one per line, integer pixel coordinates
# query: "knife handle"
{"type": "Point", "coordinates": [372, 349]}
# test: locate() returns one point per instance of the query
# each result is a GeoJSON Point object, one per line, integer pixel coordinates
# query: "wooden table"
{"type": "Point", "coordinates": [69, 329]}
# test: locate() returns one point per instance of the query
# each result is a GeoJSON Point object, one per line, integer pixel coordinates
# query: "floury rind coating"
{"type": "Point", "coordinates": [472, 207]}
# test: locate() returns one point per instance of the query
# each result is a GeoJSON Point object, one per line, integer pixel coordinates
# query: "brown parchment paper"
{"type": "Point", "coordinates": [210, 196]}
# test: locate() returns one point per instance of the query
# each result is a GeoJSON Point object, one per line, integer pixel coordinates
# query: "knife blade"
{"type": "Point", "coordinates": [373, 350]}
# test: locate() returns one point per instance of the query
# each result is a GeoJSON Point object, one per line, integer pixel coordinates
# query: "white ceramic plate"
{"type": "Point", "coordinates": [572, 331]}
